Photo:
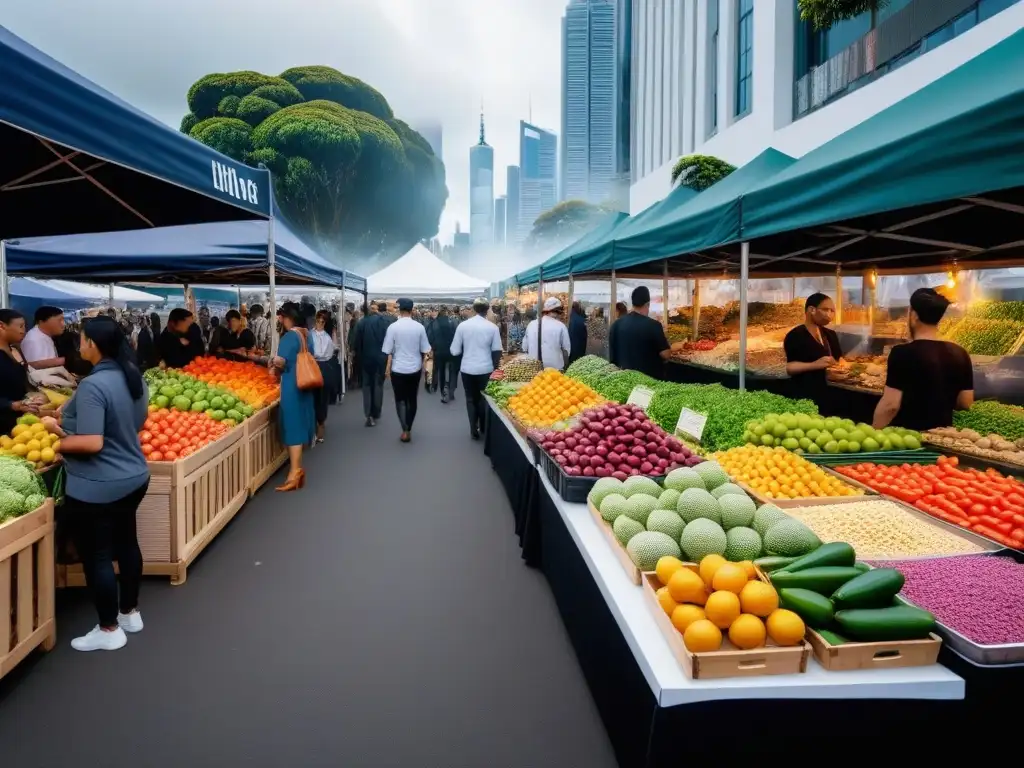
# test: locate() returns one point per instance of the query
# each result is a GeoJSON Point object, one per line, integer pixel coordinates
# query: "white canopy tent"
{"type": "Point", "coordinates": [419, 274]}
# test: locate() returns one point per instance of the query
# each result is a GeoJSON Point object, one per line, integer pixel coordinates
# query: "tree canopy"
{"type": "Point", "coordinates": [347, 171]}
{"type": "Point", "coordinates": [698, 172]}
{"type": "Point", "coordinates": [824, 13]}
{"type": "Point", "coordinates": [564, 222]}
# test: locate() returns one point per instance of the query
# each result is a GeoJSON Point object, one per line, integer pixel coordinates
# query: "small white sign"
{"type": "Point", "coordinates": [691, 424]}
{"type": "Point", "coordinates": [640, 396]}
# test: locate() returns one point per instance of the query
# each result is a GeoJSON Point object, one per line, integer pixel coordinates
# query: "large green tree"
{"type": "Point", "coordinates": [824, 13]}
{"type": "Point", "coordinates": [698, 172]}
{"type": "Point", "coordinates": [346, 170]}
{"type": "Point", "coordinates": [565, 222]}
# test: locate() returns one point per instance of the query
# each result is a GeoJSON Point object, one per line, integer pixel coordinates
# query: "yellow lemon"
{"type": "Point", "coordinates": [702, 636]}
{"type": "Point", "coordinates": [19, 449]}
{"type": "Point", "coordinates": [47, 455]}
{"type": "Point", "coordinates": [747, 632]}
{"type": "Point", "coordinates": [56, 446]}
{"type": "Point", "coordinates": [6, 442]}
{"type": "Point", "coordinates": [34, 456]}
{"type": "Point", "coordinates": [722, 608]}
{"type": "Point", "coordinates": [19, 429]}
{"type": "Point", "coordinates": [23, 438]}
{"type": "Point", "coordinates": [34, 445]}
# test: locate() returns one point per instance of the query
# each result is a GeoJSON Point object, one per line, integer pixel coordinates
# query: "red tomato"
{"type": "Point", "coordinates": [156, 456]}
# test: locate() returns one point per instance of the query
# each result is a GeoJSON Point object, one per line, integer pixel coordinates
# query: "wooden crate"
{"type": "Point", "coordinates": [884, 655]}
{"type": "Point", "coordinates": [729, 661]}
{"type": "Point", "coordinates": [264, 452]}
{"type": "Point", "coordinates": [620, 552]}
{"type": "Point", "coordinates": [188, 503]}
{"type": "Point", "coordinates": [807, 502]}
{"type": "Point", "coordinates": [26, 586]}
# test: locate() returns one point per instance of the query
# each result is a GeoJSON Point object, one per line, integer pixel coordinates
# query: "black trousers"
{"type": "Point", "coordinates": [444, 373]}
{"type": "Point", "coordinates": [103, 534]}
{"type": "Point", "coordinates": [476, 408]}
{"type": "Point", "coordinates": [322, 396]}
{"type": "Point", "coordinates": [407, 390]}
{"type": "Point", "coordinates": [373, 392]}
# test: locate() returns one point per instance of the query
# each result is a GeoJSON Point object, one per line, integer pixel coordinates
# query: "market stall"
{"type": "Point", "coordinates": [420, 275]}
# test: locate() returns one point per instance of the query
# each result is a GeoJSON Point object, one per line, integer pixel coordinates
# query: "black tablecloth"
{"type": "Point", "coordinates": [643, 733]}
{"type": "Point", "coordinates": [518, 475]}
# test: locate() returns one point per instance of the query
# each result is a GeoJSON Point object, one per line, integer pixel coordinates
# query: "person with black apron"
{"type": "Point", "coordinates": [810, 349]}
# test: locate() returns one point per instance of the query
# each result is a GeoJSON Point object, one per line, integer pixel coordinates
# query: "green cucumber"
{"type": "Point", "coordinates": [898, 622]}
{"type": "Point", "coordinates": [837, 553]}
{"type": "Point", "coordinates": [873, 589]}
{"type": "Point", "coordinates": [862, 567]}
{"type": "Point", "coordinates": [824, 580]}
{"type": "Point", "coordinates": [814, 608]}
{"type": "Point", "coordinates": [769, 564]}
{"type": "Point", "coordinates": [831, 637]}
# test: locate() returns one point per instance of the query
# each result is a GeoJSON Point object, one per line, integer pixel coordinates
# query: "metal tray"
{"type": "Point", "coordinates": [982, 655]}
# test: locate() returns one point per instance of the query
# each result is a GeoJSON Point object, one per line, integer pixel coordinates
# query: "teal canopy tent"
{"type": "Point", "coordinates": [556, 267]}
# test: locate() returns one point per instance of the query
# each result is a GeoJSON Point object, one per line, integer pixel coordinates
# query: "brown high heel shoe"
{"type": "Point", "coordinates": [293, 483]}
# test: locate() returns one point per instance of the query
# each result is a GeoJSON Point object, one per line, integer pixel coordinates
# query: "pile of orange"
{"type": "Point", "coordinates": [252, 384]}
{"type": "Point", "coordinates": [169, 435]}
{"type": "Point", "coordinates": [550, 398]}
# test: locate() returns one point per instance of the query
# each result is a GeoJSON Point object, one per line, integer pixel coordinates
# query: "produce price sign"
{"type": "Point", "coordinates": [691, 424]}
{"type": "Point", "coordinates": [640, 397]}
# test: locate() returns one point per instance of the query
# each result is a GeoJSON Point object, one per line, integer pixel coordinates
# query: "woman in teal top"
{"type": "Point", "coordinates": [298, 416]}
{"type": "Point", "coordinates": [107, 477]}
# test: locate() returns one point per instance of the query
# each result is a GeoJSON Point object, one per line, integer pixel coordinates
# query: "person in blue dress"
{"type": "Point", "coordinates": [297, 412]}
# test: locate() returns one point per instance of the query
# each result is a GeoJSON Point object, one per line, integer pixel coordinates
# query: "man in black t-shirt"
{"type": "Point", "coordinates": [811, 348]}
{"type": "Point", "coordinates": [928, 378]}
{"type": "Point", "coordinates": [178, 344]}
{"type": "Point", "coordinates": [636, 342]}
{"type": "Point", "coordinates": [236, 342]}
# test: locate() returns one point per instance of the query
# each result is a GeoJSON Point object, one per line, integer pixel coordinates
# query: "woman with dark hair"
{"type": "Point", "coordinates": [107, 477]}
{"type": "Point", "coordinates": [298, 418]}
{"type": "Point", "coordinates": [811, 348]}
{"type": "Point", "coordinates": [13, 371]}
{"type": "Point", "coordinates": [322, 347]}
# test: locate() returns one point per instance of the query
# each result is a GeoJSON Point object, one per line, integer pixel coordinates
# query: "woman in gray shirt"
{"type": "Point", "coordinates": [107, 477]}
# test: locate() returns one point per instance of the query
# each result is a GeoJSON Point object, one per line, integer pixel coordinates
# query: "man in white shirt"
{"type": "Point", "coordinates": [37, 347]}
{"type": "Point", "coordinates": [406, 345]}
{"type": "Point", "coordinates": [554, 344]}
{"type": "Point", "coordinates": [478, 341]}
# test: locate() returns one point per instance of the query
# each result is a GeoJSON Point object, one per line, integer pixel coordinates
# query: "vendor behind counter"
{"type": "Point", "coordinates": [810, 349]}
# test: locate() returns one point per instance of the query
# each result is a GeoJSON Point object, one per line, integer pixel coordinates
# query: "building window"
{"type": "Point", "coordinates": [744, 56]}
{"type": "Point", "coordinates": [713, 67]}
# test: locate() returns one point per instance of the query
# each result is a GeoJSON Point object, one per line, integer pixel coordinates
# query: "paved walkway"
{"type": "Point", "coordinates": [381, 617]}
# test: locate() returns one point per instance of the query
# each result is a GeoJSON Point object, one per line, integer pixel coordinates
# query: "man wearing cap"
{"type": "Point", "coordinates": [554, 345]}
{"type": "Point", "coordinates": [406, 346]}
{"type": "Point", "coordinates": [637, 342]}
{"type": "Point", "coordinates": [478, 341]}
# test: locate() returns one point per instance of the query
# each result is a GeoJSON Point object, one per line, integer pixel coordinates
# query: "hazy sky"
{"type": "Point", "coordinates": [432, 59]}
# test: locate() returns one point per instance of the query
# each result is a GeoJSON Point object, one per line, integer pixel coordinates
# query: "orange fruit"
{"type": "Point", "coordinates": [747, 632]}
{"type": "Point", "coordinates": [684, 615]}
{"type": "Point", "coordinates": [667, 566]}
{"type": "Point", "coordinates": [665, 601]}
{"type": "Point", "coordinates": [759, 598]}
{"type": "Point", "coordinates": [708, 566]}
{"type": "Point", "coordinates": [785, 627]}
{"type": "Point", "coordinates": [722, 608]}
{"type": "Point", "coordinates": [702, 636]}
{"type": "Point", "coordinates": [685, 586]}
{"type": "Point", "coordinates": [748, 566]}
{"type": "Point", "coordinates": [730, 577]}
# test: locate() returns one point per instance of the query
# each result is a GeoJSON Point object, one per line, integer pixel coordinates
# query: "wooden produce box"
{"type": "Point", "coordinates": [26, 586]}
{"type": "Point", "coordinates": [810, 501]}
{"type": "Point", "coordinates": [188, 503]}
{"type": "Point", "coordinates": [264, 451]}
{"type": "Point", "coordinates": [729, 661]}
{"type": "Point", "coordinates": [891, 654]}
{"type": "Point", "coordinates": [632, 572]}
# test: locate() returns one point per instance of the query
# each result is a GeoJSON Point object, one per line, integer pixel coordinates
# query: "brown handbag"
{"type": "Point", "coordinates": [307, 370]}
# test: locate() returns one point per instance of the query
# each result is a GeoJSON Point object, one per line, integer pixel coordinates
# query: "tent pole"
{"type": "Point", "coordinates": [664, 295]}
{"type": "Point", "coordinates": [239, 297]}
{"type": "Point", "coordinates": [540, 314]}
{"type": "Point", "coordinates": [272, 278]}
{"type": "Point", "coordinates": [110, 295]}
{"type": "Point", "coordinates": [3, 274]}
{"type": "Point", "coordinates": [695, 315]}
{"type": "Point", "coordinates": [744, 276]}
{"type": "Point", "coordinates": [340, 324]}
{"type": "Point", "coordinates": [839, 295]}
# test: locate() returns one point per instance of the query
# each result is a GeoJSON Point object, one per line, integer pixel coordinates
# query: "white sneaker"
{"type": "Point", "coordinates": [130, 622]}
{"type": "Point", "coordinates": [100, 640]}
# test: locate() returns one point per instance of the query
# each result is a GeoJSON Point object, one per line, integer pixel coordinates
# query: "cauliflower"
{"type": "Point", "coordinates": [20, 476]}
{"type": "Point", "coordinates": [12, 503]}
{"type": "Point", "coordinates": [33, 502]}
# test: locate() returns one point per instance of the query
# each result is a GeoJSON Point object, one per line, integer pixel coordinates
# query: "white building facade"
{"type": "Point", "coordinates": [731, 78]}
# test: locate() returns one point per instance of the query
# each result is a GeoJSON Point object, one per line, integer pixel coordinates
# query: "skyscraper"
{"type": "Point", "coordinates": [589, 113]}
{"type": "Point", "coordinates": [481, 191]}
{"type": "Point", "coordinates": [623, 89]}
{"type": "Point", "coordinates": [512, 206]}
{"type": "Point", "coordinates": [500, 207]}
{"type": "Point", "coordinates": [538, 180]}
{"type": "Point", "coordinates": [431, 131]}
